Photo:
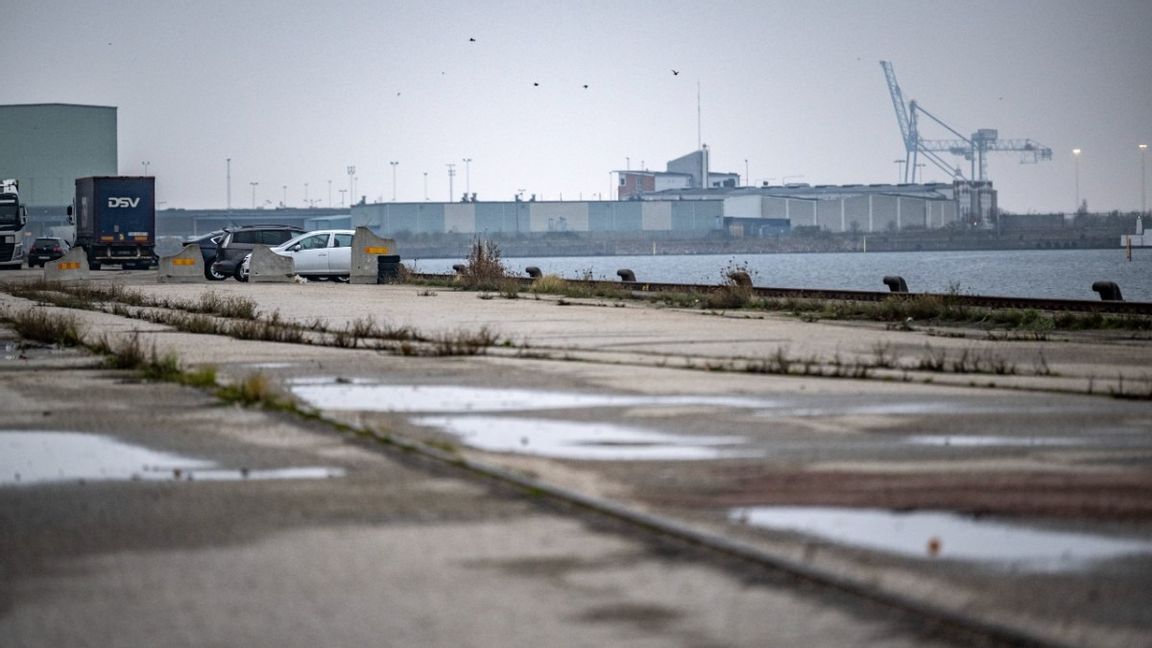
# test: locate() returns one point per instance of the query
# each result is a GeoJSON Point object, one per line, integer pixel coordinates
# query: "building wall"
{"type": "Point", "coordinates": [47, 146]}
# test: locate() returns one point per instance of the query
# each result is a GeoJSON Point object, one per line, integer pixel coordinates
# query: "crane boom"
{"type": "Point", "coordinates": [972, 148]}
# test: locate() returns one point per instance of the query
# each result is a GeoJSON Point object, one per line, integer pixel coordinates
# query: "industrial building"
{"type": "Point", "coordinates": [47, 146]}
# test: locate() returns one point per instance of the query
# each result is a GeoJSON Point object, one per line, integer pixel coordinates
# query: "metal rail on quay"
{"type": "Point", "coordinates": [981, 301]}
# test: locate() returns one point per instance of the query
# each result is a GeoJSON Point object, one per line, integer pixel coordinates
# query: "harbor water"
{"type": "Point", "coordinates": [1055, 274]}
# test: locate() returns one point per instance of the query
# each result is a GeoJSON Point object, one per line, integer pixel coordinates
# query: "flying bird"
{"type": "Point", "coordinates": [471, 40]}
{"type": "Point", "coordinates": [675, 72]}
{"type": "Point", "coordinates": [535, 84]}
{"type": "Point", "coordinates": [585, 86]}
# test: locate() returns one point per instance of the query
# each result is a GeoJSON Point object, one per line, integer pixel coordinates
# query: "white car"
{"type": "Point", "coordinates": [322, 254]}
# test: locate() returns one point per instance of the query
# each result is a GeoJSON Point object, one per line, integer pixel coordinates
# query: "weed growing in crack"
{"type": "Point", "coordinates": [49, 327]}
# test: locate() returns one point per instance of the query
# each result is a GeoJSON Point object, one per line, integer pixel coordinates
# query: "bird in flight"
{"type": "Point", "coordinates": [585, 86]}
{"type": "Point", "coordinates": [675, 72]}
{"type": "Point", "coordinates": [471, 40]}
{"type": "Point", "coordinates": [535, 84]}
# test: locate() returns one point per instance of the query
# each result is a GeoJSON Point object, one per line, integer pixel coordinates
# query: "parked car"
{"type": "Point", "coordinates": [45, 249]}
{"type": "Point", "coordinates": [238, 243]}
{"type": "Point", "coordinates": [208, 244]}
{"type": "Point", "coordinates": [322, 254]}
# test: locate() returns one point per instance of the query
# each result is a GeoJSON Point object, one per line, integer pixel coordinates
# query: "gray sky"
{"type": "Point", "coordinates": [294, 92]}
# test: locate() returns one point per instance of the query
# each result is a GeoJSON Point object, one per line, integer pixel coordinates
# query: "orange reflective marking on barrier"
{"type": "Point", "coordinates": [68, 265]}
{"type": "Point", "coordinates": [183, 262]}
{"type": "Point", "coordinates": [375, 250]}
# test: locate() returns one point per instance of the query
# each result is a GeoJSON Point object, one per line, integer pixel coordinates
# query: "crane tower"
{"type": "Point", "coordinates": [975, 148]}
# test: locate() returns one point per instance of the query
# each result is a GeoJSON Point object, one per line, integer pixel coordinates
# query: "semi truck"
{"type": "Point", "coordinates": [115, 219]}
{"type": "Point", "coordinates": [13, 217]}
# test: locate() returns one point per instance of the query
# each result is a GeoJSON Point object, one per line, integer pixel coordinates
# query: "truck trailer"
{"type": "Point", "coordinates": [116, 220]}
{"type": "Point", "coordinates": [13, 217]}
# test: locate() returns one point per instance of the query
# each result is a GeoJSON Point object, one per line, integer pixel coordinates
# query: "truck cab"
{"type": "Point", "coordinates": [13, 217]}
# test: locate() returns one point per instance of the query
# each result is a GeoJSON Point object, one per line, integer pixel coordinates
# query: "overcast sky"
{"type": "Point", "coordinates": [295, 92]}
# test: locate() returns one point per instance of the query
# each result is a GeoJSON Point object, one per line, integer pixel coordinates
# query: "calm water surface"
{"type": "Point", "coordinates": [1061, 274]}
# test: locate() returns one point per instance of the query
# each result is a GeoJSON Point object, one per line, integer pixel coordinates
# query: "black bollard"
{"type": "Point", "coordinates": [896, 284]}
{"type": "Point", "coordinates": [626, 275]}
{"type": "Point", "coordinates": [533, 272]}
{"type": "Point", "coordinates": [1108, 290]}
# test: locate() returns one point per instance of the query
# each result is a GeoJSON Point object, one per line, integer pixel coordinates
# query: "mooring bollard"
{"type": "Point", "coordinates": [533, 272]}
{"type": "Point", "coordinates": [896, 284]}
{"type": "Point", "coordinates": [460, 268]}
{"type": "Point", "coordinates": [1108, 290]}
{"type": "Point", "coordinates": [626, 275]}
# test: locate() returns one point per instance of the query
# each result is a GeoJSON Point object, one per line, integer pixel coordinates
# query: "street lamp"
{"type": "Point", "coordinates": [899, 170]}
{"type": "Point", "coordinates": [425, 185]}
{"type": "Point", "coordinates": [306, 195]}
{"type": "Point", "coordinates": [253, 193]}
{"type": "Point", "coordinates": [394, 180]}
{"type": "Point", "coordinates": [284, 202]}
{"type": "Point", "coordinates": [467, 176]}
{"type": "Point", "coordinates": [145, 167]}
{"type": "Point", "coordinates": [329, 194]}
{"type": "Point", "coordinates": [1143, 180]}
{"type": "Point", "coordinates": [1076, 157]}
{"type": "Point", "coordinates": [451, 174]}
{"type": "Point", "coordinates": [342, 192]}
{"type": "Point", "coordinates": [351, 191]}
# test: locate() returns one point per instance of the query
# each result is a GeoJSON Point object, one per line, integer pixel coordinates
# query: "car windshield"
{"type": "Point", "coordinates": [307, 241]}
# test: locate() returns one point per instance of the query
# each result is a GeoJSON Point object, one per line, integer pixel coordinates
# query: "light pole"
{"type": "Point", "coordinates": [747, 177]}
{"type": "Point", "coordinates": [253, 193]}
{"type": "Point", "coordinates": [351, 193]}
{"type": "Point", "coordinates": [146, 168]}
{"type": "Point", "coordinates": [306, 195]}
{"type": "Point", "coordinates": [451, 174]}
{"type": "Point", "coordinates": [394, 180]}
{"type": "Point", "coordinates": [228, 172]}
{"type": "Point", "coordinates": [342, 192]}
{"type": "Point", "coordinates": [1143, 180]}
{"type": "Point", "coordinates": [284, 201]}
{"type": "Point", "coordinates": [467, 176]}
{"type": "Point", "coordinates": [1076, 158]}
{"type": "Point", "coordinates": [329, 194]}
{"type": "Point", "coordinates": [425, 185]}
{"type": "Point", "coordinates": [899, 170]}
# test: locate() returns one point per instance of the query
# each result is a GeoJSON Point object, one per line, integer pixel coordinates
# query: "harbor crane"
{"type": "Point", "coordinates": [975, 148]}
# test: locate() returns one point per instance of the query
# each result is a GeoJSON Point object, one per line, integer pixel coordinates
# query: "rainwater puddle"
{"type": "Point", "coordinates": [571, 440]}
{"type": "Point", "coordinates": [355, 395]}
{"type": "Point", "coordinates": [966, 441]}
{"type": "Point", "coordinates": [42, 457]}
{"type": "Point", "coordinates": [945, 536]}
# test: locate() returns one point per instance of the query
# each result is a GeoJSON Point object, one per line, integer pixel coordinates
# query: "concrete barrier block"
{"type": "Point", "coordinates": [186, 266]}
{"type": "Point", "coordinates": [366, 247]}
{"type": "Point", "coordinates": [73, 266]}
{"type": "Point", "coordinates": [268, 267]}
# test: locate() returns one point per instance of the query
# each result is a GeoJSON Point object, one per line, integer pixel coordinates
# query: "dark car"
{"type": "Point", "coordinates": [207, 244]}
{"type": "Point", "coordinates": [239, 241]}
{"type": "Point", "coordinates": [45, 249]}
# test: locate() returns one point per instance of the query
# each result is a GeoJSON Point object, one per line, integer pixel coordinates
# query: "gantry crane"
{"type": "Point", "coordinates": [975, 149]}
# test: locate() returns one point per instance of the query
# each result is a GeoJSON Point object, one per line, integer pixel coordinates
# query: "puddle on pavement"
{"type": "Point", "coordinates": [271, 365]}
{"type": "Point", "coordinates": [947, 536]}
{"type": "Point", "coordinates": [973, 441]}
{"type": "Point", "coordinates": [42, 457]}
{"type": "Point", "coordinates": [347, 394]}
{"type": "Point", "coordinates": [587, 441]}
